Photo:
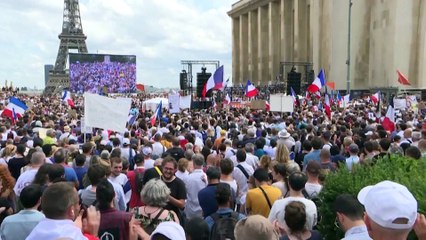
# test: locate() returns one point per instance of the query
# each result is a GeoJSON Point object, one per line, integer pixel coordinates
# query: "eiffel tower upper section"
{"type": "Point", "coordinates": [72, 36]}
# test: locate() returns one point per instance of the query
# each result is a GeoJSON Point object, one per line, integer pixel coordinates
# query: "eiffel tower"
{"type": "Point", "coordinates": [72, 37]}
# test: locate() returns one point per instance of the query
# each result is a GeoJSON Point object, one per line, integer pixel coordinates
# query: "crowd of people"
{"type": "Point", "coordinates": [94, 77]}
{"type": "Point", "coordinates": [200, 175]}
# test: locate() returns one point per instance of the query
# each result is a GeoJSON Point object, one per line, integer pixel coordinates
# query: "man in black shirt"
{"type": "Point", "coordinates": [177, 187]}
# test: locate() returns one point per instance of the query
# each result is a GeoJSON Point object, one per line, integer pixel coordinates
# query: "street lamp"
{"type": "Point", "coordinates": [348, 61]}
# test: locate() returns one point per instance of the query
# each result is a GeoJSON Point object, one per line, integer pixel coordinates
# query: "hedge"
{"type": "Point", "coordinates": [405, 171]}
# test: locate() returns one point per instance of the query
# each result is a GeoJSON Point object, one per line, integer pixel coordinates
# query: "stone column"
{"type": "Point", "coordinates": [282, 31]}
{"type": "Point", "coordinates": [288, 30]}
{"type": "Point", "coordinates": [421, 76]}
{"type": "Point", "coordinates": [263, 43]}
{"type": "Point", "coordinates": [274, 41]}
{"type": "Point", "coordinates": [302, 34]}
{"type": "Point", "coordinates": [243, 47]}
{"type": "Point", "coordinates": [253, 45]}
{"type": "Point", "coordinates": [236, 50]}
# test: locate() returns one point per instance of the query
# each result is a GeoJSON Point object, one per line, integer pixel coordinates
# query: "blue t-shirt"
{"type": "Point", "coordinates": [80, 171]}
{"type": "Point", "coordinates": [207, 200]}
{"type": "Point", "coordinates": [70, 175]}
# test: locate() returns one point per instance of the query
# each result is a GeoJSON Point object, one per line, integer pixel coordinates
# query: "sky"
{"type": "Point", "coordinates": [160, 33]}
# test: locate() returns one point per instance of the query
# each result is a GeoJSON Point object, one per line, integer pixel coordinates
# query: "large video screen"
{"type": "Point", "coordinates": [102, 73]}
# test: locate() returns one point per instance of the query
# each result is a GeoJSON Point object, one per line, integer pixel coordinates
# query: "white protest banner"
{"type": "Point", "coordinates": [281, 103]}
{"type": "Point", "coordinates": [185, 102]}
{"type": "Point", "coordinates": [84, 128]}
{"type": "Point", "coordinates": [174, 103]}
{"type": "Point", "coordinates": [399, 103]}
{"type": "Point", "coordinates": [107, 113]}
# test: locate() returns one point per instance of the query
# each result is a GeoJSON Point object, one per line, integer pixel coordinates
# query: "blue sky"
{"type": "Point", "coordinates": [159, 32]}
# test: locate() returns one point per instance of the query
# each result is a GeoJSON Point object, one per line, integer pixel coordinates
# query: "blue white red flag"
{"type": "Point", "coordinates": [157, 114]}
{"type": "Point", "coordinates": [293, 94]}
{"type": "Point", "coordinates": [318, 83]}
{"type": "Point", "coordinates": [215, 81]}
{"type": "Point", "coordinates": [15, 109]}
{"type": "Point", "coordinates": [66, 97]}
{"type": "Point", "coordinates": [251, 90]}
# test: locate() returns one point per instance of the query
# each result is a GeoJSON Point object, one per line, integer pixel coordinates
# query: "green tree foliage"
{"type": "Point", "coordinates": [408, 172]}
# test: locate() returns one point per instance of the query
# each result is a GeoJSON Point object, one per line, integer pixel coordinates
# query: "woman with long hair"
{"type": "Point", "coordinates": [265, 162]}
{"type": "Point", "coordinates": [7, 195]}
{"type": "Point", "coordinates": [8, 153]}
{"type": "Point", "coordinates": [41, 178]}
{"type": "Point", "coordinates": [279, 174]}
{"type": "Point", "coordinates": [282, 155]}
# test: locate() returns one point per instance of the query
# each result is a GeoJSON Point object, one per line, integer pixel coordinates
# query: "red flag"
{"type": "Point", "coordinates": [331, 85]}
{"type": "Point", "coordinates": [140, 87]}
{"type": "Point", "coordinates": [402, 79]}
{"type": "Point", "coordinates": [327, 106]}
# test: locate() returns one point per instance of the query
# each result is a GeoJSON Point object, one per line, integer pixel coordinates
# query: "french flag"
{"type": "Point", "coordinates": [339, 98]}
{"type": "Point", "coordinates": [215, 81]}
{"type": "Point", "coordinates": [318, 83]}
{"type": "Point", "coordinates": [347, 98]}
{"type": "Point", "coordinates": [375, 97]}
{"type": "Point", "coordinates": [389, 120]}
{"type": "Point", "coordinates": [157, 114]}
{"type": "Point", "coordinates": [15, 109]}
{"type": "Point", "coordinates": [227, 99]}
{"type": "Point", "coordinates": [293, 94]}
{"type": "Point", "coordinates": [224, 85]}
{"type": "Point", "coordinates": [66, 97]}
{"type": "Point", "coordinates": [251, 90]}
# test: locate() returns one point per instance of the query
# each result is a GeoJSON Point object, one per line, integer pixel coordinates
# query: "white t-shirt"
{"type": "Point", "coordinates": [158, 149]}
{"type": "Point", "coordinates": [231, 183]}
{"type": "Point", "coordinates": [278, 210]}
{"type": "Point", "coordinates": [120, 179]}
{"type": "Point", "coordinates": [313, 189]}
{"type": "Point", "coordinates": [281, 185]}
{"type": "Point", "coordinates": [148, 163]}
{"type": "Point", "coordinates": [24, 180]}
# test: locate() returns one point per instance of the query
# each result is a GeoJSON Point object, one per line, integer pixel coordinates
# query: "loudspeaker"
{"type": "Point", "coordinates": [293, 81]}
{"type": "Point", "coordinates": [201, 81]}
{"type": "Point", "coordinates": [183, 81]}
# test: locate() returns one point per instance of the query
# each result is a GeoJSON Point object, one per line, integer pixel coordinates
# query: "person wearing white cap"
{"type": "Point", "coordinates": [168, 230]}
{"type": "Point", "coordinates": [390, 210]}
{"type": "Point", "coordinates": [127, 152]}
{"type": "Point", "coordinates": [148, 161]}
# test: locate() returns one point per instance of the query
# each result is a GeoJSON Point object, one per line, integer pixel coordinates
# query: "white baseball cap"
{"type": "Point", "coordinates": [126, 141]}
{"type": "Point", "coordinates": [386, 202]}
{"type": "Point", "coordinates": [146, 151]}
{"type": "Point", "coordinates": [170, 230]}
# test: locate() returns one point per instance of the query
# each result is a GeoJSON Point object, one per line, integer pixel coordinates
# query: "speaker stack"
{"type": "Point", "coordinates": [294, 81]}
{"type": "Point", "coordinates": [183, 80]}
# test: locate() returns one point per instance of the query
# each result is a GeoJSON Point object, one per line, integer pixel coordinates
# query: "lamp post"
{"type": "Point", "coordinates": [348, 61]}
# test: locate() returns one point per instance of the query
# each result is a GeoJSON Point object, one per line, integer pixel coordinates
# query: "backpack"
{"type": "Point", "coordinates": [139, 180]}
{"type": "Point", "coordinates": [317, 201]}
{"type": "Point", "coordinates": [223, 226]}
